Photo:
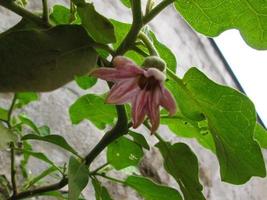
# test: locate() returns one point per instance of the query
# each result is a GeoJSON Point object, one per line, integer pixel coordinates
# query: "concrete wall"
{"type": "Point", "coordinates": [190, 49]}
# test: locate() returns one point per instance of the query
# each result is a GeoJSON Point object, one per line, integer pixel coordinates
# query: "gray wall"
{"type": "Point", "coordinates": [190, 49]}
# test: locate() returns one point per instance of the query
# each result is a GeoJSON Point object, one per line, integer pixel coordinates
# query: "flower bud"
{"type": "Point", "coordinates": [154, 62]}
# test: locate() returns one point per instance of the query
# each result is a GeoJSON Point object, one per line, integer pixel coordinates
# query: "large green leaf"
{"type": "Point", "coordinates": [231, 119]}
{"type": "Point", "coordinates": [85, 108]}
{"type": "Point", "coordinates": [101, 193]}
{"type": "Point", "coordinates": [184, 127]}
{"type": "Point", "coordinates": [150, 190]}
{"type": "Point", "coordinates": [43, 60]}
{"type": "Point", "coordinates": [139, 139]}
{"type": "Point", "coordinates": [78, 176]}
{"type": "Point", "coordinates": [260, 134]}
{"type": "Point", "coordinates": [54, 139]}
{"type": "Point", "coordinates": [123, 153]}
{"type": "Point", "coordinates": [215, 16]}
{"type": "Point", "coordinates": [24, 98]}
{"type": "Point", "coordinates": [97, 26]}
{"type": "Point", "coordinates": [121, 30]}
{"type": "Point", "coordinates": [182, 164]}
{"type": "Point", "coordinates": [3, 114]}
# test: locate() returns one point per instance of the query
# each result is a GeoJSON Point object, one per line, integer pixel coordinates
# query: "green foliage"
{"type": "Point", "coordinates": [182, 164]}
{"type": "Point", "coordinates": [260, 134]}
{"type": "Point", "coordinates": [85, 82]}
{"type": "Point", "coordinates": [45, 59]}
{"type": "Point", "coordinates": [188, 128]}
{"type": "Point", "coordinates": [97, 26]}
{"type": "Point", "coordinates": [123, 153]}
{"type": "Point", "coordinates": [3, 114]}
{"type": "Point", "coordinates": [127, 3]}
{"type": "Point", "coordinates": [60, 15]}
{"type": "Point", "coordinates": [85, 108]}
{"type": "Point", "coordinates": [213, 17]}
{"type": "Point", "coordinates": [139, 139]}
{"type": "Point", "coordinates": [78, 174]}
{"type": "Point", "coordinates": [150, 190]}
{"type": "Point", "coordinates": [121, 29]}
{"type": "Point", "coordinates": [24, 98]}
{"type": "Point", "coordinates": [54, 139]}
{"type": "Point", "coordinates": [231, 119]}
{"type": "Point", "coordinates": [101, 193]}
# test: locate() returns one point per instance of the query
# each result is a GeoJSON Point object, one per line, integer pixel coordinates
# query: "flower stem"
{"type": "Point", "coordinates": [11, 108]}
{"type": "Point", "coordinates": [45, 11]}
{"type": "Point", "coordinates": [11, 5]}
{"type": "Point", "coordinates": [155, 11]}
{"type": "Point", "coordinates": [149, 44]}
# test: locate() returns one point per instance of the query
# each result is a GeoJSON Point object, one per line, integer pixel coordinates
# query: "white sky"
{"type": "Point", "coordinates": [249, 66]}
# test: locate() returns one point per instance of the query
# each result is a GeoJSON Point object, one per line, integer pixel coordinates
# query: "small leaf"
{"type": "Point", "coordinates": [127, 3]}
{"type": "Point", "coordinates": [26, 121]}
{"type": "Point", "coordinates": [49, 58]}
{"type": "Point", "coordinates": [97, 26]}
{"type": "Point", "coordinates": [150, 190]}
{"type": "Point", "coordinates": [121, 30]}
{"type": "Point", "coordinates": [123, 153]}
{"type": "Point", "coordinates": [165, 53]}
{"type": "Point", "coordinates": [85, 108]}
{"type": "Point", "coordinates": [260, 134]}
{"type": "Point", "coordinates": [6, 136]}
{"type": "Point", "coordinates": [139, 139]}
{"type": "Point", "coordinates": [213, 17]}
{"type": "Point", "coordinates": [54, 139]}
{"type": "Point", "coordinates": [85, 82]}
{"type": "Point", "coordinates": [60, 15]}
{"type": "Point", "coordinates": [44, 130]}
{"type": "Point", "coordinates": [3, 114]}
{"type": "Point", "coordinates": [101, 193]}
{"type": "Point", "coordinates": [24, 98]}
{"type": "Point", "coordinates": [78, 174]}
{"type": "Point", "coordinates": [182, 164]}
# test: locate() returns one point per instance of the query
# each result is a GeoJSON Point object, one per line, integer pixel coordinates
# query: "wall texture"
{"type": "Point", "coordinates": [190, 49]}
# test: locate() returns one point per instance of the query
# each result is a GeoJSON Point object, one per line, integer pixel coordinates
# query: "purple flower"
{"type": "Point", "coordinates": [143, 88]}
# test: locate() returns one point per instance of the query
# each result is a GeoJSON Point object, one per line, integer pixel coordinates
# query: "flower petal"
{"type": "Point", "coordinates": [139, 108]}
{"type": "Point", "coordinates": [167, 101]}
{"type": "Point", "coordinates": [153, 109]}
{"type": "Point", "coordinates": [123, 92]}
{"type": "Point", "coordinates": [124, 64]}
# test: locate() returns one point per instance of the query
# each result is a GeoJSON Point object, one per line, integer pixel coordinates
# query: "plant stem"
{"type": "Point", "coordinates": [11, 5]}
{"type": "Point", "coordinates": [135, 28]}
{"type": "Point", "coordinates": [99, 168]}
{"type": "Point", "coordinates": [155, 11]}
{"type": "Point", "coordinates": [110, 178]}
{"type": "Point", "coordinates": [11, 108]}
{"type": "Point", "coordinates": [13, 171]}
{"type": "Point", "coordinates": [45, 11]}
{"type": "Point", "coordinates": [149, 44]}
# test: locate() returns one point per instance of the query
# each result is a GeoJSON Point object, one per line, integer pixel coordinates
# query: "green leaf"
{"type": "Point", "coordinates": [28, 122]}
{"type": "Point", "coordinates": [39, 177]}
{"type": "Point", "coordinates": [150, 190]}
{"type": "Point", "coordinates": [78, 174]}
{"type": "Point", "coordinates": [97, 26]}
{"type": "Point", "coordinates": [127, 3]}
{"type": "Point", "coordinates": [3, 114]}
{"type": "Point", "coordinates": [213, 17]}
{"type": "Point", "coordinates": [60, 15]}
{"type": "Point", "coordinates": [260, 134]}
{"type": "Point", "coordinates": [40, 156]}
{"type": "Point", "coordinates": [54, 139]}
{"type": "Point", "coordinates": [85, 82]}
{"type": "Point", "coordinates": [101, 193]}
{"type": "Point", "coordinates": [6, 136]}
{"type": "Point", "coordinates": [24, 98]}
{"type": "Point", "coordinates": [184, 127]}
{"type": "Point", "coordinates": [231, 119]}
{"type": "Point", "coordinates": [121, 29]}
{"type": "Point", "coordinates": [45, 59]}
{"type": "Point", "coordinates": [182, 164]}
{"type": "Point", "coordinates": [44, 130]}
{"type": "Point", "coordinates": [139, 139]}
{"type": "Point", "coordinates": [85, 108]}
{"type": "Point", "coordinates": [123, 153]}
{"type": "Point", "coordinates": [164, 52]}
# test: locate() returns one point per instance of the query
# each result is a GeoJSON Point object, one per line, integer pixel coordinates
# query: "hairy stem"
{"type": "Point", "coordinates": [155, 11]}
{"type": "Point", "coordinates": [45, 11]}
{"type": "Point", "coordinates": [148, 43]}
{"type": "Point", "coordinates": [11, 5]}
{"type": "Point", "coordinates": [11, 108]}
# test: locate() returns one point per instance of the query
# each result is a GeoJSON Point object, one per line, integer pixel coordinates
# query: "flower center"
{"type": "Point", "coordinates": [147, 83]}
